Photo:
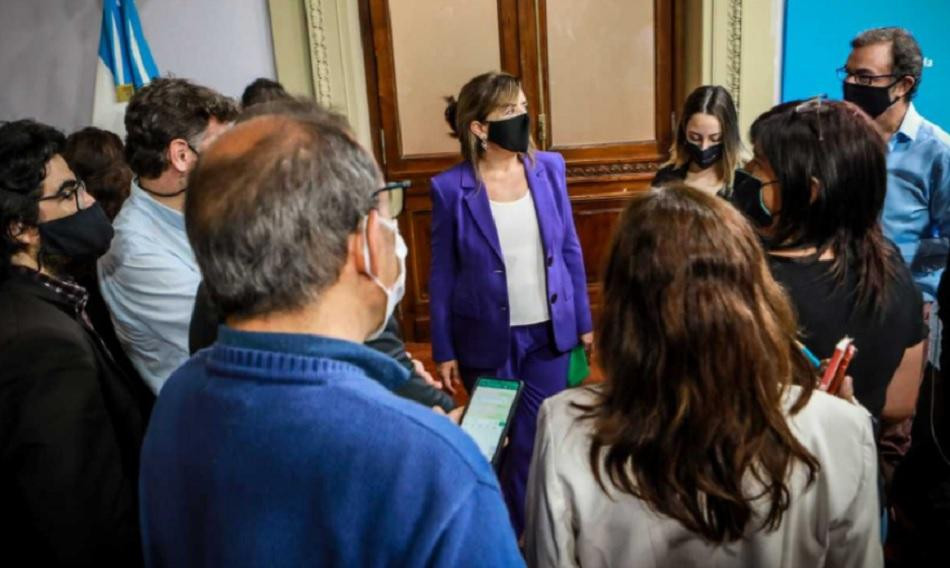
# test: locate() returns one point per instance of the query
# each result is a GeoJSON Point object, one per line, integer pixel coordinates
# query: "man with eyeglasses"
{"type": "Point", "coordinates": [420, 386]}
{"type": "Point", "coordinates": [71, 423]}
{"type": "Point", "coordinates": [282, 443]}
{"type": "Point", "coordinates": [882, 75]}
{"type": "Point", "coordinates": [149, 276]}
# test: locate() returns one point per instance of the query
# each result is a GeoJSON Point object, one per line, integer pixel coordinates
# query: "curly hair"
{"type": "Point", "coordinates": [26, 146]}
{"type": "Point", "coordinates": [164, 110]}
{"type": "Point", "coordinates": [97, 157]}
{"type": "Point", "coordinates": [906, 58]}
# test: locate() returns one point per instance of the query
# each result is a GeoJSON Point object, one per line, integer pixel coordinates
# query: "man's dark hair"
{"type": "Point", "coordinates": [97, 157]}
{"type": "Point", "coordinates": [26, 146]}
{"type": "Point", "coordinates": [164, 110]}
{"type": "Point", "coordinates": [262, 90]}
{"type": "Point", "coordinates": [270, 224]}
{"type": "Point", "coordinates": [295, 106]}
{"type": "Point", "coordinates": [906, 58]}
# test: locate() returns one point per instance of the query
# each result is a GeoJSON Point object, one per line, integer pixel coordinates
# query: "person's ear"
{"type": "Point", "coordinates": [23, 234]}
{"type": "Point", "coordinates": [904, 86]}
{"type": "Point", "coordinates": [373, 243]}
{"type": "Point", "coordinates": [180, 155]}
{"type": "Point", "coordinates": [478, 129]}
{"type": "Point", "coordinates": [814, 187]}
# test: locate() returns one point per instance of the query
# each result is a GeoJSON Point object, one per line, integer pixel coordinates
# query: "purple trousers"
{"type": "Point", "coordinates": [534, 360]}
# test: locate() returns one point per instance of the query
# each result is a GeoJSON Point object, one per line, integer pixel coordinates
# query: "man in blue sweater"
{"type": "Point", "coordinates": [282, 445]}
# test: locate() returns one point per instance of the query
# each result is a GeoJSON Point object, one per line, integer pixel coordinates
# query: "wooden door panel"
{"type": "Point", "coordinates": [413, 57]}
{"type": "Point", "coordinates": [585, 109]}
{"type": "Point", "coordinates": [595, 221]}
{"type": "Point", "coordinates": [607, 49]}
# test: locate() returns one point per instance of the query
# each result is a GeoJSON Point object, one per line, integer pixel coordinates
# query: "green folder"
{"type": "Point", "coordinates": [578, 369]}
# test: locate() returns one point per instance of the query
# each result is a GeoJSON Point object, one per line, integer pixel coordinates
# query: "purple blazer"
{"type": "Point", "coordinates": [468, 293]}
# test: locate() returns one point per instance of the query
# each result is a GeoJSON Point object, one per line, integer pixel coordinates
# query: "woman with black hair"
{"type": "Point", "coordinates": [819, 178]}
{"type": "Point", "coordinates": [707, 443]}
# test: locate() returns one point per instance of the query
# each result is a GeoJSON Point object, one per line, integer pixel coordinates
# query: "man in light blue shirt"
{"type": "Point", "coordinates": [149, 276]}
{"type": "Point", "coordinates": [881, 76]}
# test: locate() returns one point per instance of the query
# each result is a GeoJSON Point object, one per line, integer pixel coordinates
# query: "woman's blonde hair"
{"type": "Point", "coordinates": [477, 99]}
{"type": "Point", "coordinates": [712, 100]}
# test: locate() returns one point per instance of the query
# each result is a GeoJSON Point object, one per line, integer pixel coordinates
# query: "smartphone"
{"type": "Point", "coordinates": [838, 365]}
{"type": "Point", "coordinates": [489, 413]}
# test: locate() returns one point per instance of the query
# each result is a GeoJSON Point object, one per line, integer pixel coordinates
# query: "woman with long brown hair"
{"type": "Point", "coordinates": [707, 444]}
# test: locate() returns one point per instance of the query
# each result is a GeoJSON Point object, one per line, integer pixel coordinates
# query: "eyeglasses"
{"type": "Point", "coordinates": [71, 189]}
{"type": "Point", "coordinates": [396, 190]}
{"type": "Point", "coordinates": [861, 79]}
{"type": "Point", "coordinates": [814, 104]}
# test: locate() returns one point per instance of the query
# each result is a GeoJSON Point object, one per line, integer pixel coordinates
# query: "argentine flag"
{"type": "Point", "coordinates": [125, 64]}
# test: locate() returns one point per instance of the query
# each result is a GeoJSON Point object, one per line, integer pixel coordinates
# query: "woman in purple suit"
{"type": "Point", "coordinates": [507, 289]}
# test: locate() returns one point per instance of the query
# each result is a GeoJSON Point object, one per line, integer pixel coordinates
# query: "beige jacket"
{"type": "Point", "coordinates": [833, 522]}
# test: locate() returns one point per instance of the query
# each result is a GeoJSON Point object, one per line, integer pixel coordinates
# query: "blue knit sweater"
{"type": "Point", "coordinates": [289, 450]}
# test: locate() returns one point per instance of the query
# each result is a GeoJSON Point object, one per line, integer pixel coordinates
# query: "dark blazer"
{"type": "Point", "coordinates": [468, 292]}
{"type": "Point", "coordinates": [203, 331]}
{"type": "Point", "coordinates": [71, 428]}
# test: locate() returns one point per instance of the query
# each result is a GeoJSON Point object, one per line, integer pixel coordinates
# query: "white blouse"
{"type": "Point", "coordinates": [520, 240]}
{"type": "Point", "coordinates": [833, 522]}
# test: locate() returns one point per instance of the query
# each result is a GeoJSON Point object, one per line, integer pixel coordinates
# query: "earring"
{"type": "Point", "coordinates": [484, 143]}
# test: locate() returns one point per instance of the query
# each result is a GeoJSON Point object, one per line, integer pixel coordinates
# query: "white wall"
{"type": "Point", "coordinates": [48, 51]}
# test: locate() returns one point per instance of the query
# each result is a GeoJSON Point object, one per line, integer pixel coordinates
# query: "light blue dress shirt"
{"type": "Point", "coordinates": [917, 206]}
{"type": "Point", "coordinates": [149, 279]}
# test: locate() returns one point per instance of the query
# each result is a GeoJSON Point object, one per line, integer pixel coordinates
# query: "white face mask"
{"type": "Point", "coordinates": [394, 295]}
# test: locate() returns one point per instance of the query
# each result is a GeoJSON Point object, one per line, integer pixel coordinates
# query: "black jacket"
{"type": "Point", "coordinates": [204, 330]}
{"type": "Point", "coordinates": [71, 427]}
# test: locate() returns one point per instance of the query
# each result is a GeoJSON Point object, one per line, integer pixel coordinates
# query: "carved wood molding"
{"type": "Point", "coordinates": [734, 50]}
{"type": "Point", "coordinates": [599, 170]}
{"type": "Point", "coordinates": [319, 60]}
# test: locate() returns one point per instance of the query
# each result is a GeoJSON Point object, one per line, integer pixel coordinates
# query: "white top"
{"type": "Point", "coordinates": [833, 522]}
{"type": "Point", "coordinates": [520, 240]}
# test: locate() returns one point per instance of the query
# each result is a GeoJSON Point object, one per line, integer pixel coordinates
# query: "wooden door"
{"type": "Point", "coordinates": [598, 75]}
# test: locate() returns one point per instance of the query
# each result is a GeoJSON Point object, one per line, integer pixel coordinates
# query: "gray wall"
{"type": "Point", "coordinates": [48, 51]}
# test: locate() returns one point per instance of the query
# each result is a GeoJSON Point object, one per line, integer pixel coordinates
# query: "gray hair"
{"type": "Point", "coordinates": [906, 58]}
{"type": "Point", "coordinates": [270, 224]}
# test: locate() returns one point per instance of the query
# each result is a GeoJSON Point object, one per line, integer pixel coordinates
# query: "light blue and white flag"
{"type": "Point", "coordinates": [125, 64]}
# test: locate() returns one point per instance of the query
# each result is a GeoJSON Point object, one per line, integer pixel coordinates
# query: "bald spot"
{"type": "Point", "coordinates": [231, 173]}
{"type": "Point", "coordinates": [260, 134]}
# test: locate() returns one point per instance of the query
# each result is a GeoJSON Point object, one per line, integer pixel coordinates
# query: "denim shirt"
{"type": "Point", "coordinates": [917, 206]}
{"type": "Point", "coordinates": [149, 279]}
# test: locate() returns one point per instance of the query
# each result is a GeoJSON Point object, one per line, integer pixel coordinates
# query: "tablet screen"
{"type": "Point", "coordinates": [489, 410]}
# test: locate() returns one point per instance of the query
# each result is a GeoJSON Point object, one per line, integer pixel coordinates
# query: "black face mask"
{"type": "Point", "coordinates": [512, 133]}
{"type": "Point", "coordinates": [872, 100]}
{"type": "Point", "coordinates": [747, 197]}
{"type": "Point", "coordinates": [85, 235]}
{"type": "Point", "coordinates": [704, 158]}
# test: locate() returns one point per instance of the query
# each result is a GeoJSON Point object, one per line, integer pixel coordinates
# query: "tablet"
{"type": "Point", "coordinates": [489, 413]}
